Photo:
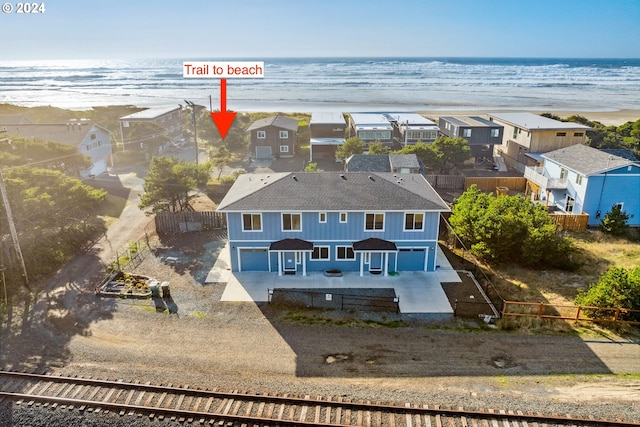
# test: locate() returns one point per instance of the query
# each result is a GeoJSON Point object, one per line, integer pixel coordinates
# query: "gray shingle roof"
{"type": "Point", "coordinates": [368, 163]}
{"type": "Point", "coordinates": [277, 121]}
{"type": "Point", "coordinates": [586, 160]}
{"type": "Point", "coordinates": [404, 161]}
{"type": "Point", "coordinates": [331, 191]}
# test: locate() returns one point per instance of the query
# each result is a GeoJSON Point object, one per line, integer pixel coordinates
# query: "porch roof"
{"type": "Point", "coordinates": [290, 244]}
{"type": "Point", "coordinates": [374, 244]}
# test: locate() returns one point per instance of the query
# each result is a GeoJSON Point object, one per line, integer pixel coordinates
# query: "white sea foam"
{"type": "Point", "coordinates": [314, 84]}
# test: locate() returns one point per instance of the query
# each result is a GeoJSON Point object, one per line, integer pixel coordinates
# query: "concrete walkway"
{"type": "Point", "coordinates": [418, 291]}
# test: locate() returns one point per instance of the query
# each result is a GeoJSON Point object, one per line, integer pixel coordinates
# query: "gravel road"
{"type": "Point", "coordinates": [195, 339]}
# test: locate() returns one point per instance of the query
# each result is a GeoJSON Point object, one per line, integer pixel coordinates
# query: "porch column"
{"type": "Point", "coordinates": [304, 263]}
{"type": "Point", "coordinates": [279, 263]}
{"type": "Point", "coordinates": [362, 264]}
{"type": "Point", "coordinates": [385, 259]}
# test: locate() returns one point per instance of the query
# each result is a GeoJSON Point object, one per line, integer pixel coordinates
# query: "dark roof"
{"type": "Point", "coordinates": [277, 121]}
{"type": "Point", "coordinates": [374, 244]}
{"type": "Point", "coordinates": [586, 160]}
{"type": "Point", "coordinates": [331, 191]}
{"type": "Point", "coordinates": [368, 163]}
{"type": "Point", "coordinates": [291, 245]}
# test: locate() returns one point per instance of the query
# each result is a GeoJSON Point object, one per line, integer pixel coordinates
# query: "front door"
{"type": "Point", "coordinates": [375, 262]}
{"type": "Point", "coordinates": [289, 262]}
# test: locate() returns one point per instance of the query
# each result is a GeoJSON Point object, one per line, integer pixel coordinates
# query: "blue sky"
{"type": "Point", "coordinates": [112, 29]}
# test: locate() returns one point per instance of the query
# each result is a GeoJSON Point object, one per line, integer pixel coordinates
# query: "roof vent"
{"type": "Point", "coordinates": [295, 178]}
{"type": "Point", "coordinates": [343, 177]}
{"type": "Point", "coordinates": [371, 178]}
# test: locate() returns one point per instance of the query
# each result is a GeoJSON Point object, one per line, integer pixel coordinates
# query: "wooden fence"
{"type": "Point", "coordinates": [490, 183]}
{"type": "Point", "coordinates": [570, 312]}
{"type": "Point", "coordinates": [570, 222]}
{"type": "Point", "coordinates": [450, 182]}
{"type": "Point", "coordinates": [182, 222]}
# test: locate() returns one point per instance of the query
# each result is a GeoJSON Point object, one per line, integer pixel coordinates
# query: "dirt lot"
{"type": "Point", "coordinates": [192, 338]}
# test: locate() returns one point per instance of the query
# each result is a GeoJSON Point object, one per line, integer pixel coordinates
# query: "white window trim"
{"type": "Point", "coordinates": [328, 258]}
{"type": "Point", "coordinates": [404, 225]}
{"type": "Point", "coordinates": [261, 134]}
{"type": "Point", "coordinates": [345, 259]}
{"type": "Point", "coordinates": [252, 230]}
{"type": "Point", "coordinates": [282, 222]}
{"type": "Point", "coordinates": [284, 148]}
{"type": "Point", "coordinates": [320, 215]}
{"type": "Point", "coordinates": [283, 134]}
{"type": "Point", "coordinates": [374, 229]}
{"type": "Point", "coordinates": [346, 217]}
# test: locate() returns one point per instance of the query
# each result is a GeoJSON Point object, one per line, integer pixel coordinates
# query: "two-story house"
{"type": "Point", "coordinates": [526, 133]}
{"type": "Point", "coordinates": [90, 139]}
{"type": "Point", "coordinates": [481, 134]}
{"type": "Point", "coordinates": [297, 222]}
{"type": "Point", "coordinates": [580, 179]}
{"type": "Point", "coordinates": [168, 120]}
{"type": "Point", "coordinates": [273, 137]}
{"type": "Point", "coordinates": [371, 127]}
{"type": "Point", "coordinates": [327, 131]}
{"type": "Point", "coordinates": [410, 128]}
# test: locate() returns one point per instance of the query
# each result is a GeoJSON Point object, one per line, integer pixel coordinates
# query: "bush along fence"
{"type": "Point", "coordinates": [453, 242]}
{"type": "Point", "coordinates": [570, 312]}
{"type": "Point", "coordinates": [183, 222]}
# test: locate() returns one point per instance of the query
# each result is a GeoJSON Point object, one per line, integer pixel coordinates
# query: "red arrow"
{"type": "Point", "coordinates": [223, 119]}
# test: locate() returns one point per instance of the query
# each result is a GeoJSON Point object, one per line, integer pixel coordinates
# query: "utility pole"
{"type": "Point", "coordinates": [192, 107]}
{"type": "Point", "coordinates": [12, 230]}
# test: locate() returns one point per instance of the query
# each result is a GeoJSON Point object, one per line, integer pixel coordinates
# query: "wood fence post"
{"type": "Point", "coordinates": [540, 309]}
{"type": "Point", "coordinates": [578, 312]}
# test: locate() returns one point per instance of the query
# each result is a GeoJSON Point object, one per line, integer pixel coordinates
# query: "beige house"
{"type": "Point", "coordinates": [528, 135]}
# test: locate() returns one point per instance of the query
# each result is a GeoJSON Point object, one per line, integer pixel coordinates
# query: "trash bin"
{"type": "Point", "coordinates": [502, 191]}
{"type": "Point", "coordinates": [165, 290]}
{"type": "Point", "coordinates": [154, 287]}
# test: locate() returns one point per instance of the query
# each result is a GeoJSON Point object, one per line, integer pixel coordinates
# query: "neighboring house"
{"type": "Point", "coordinates": [168, 118]}
{"type": "Point", "coordinates": [397, 163]}
{"type": "Point", "coordinates": [91, 140]}
{"type": "Point", "coordinates": [481, 134]}
{"type": "Point", "coordinates": [327, 132]}
{"type": "Point", "coordinates": [273, 137]}
{"type": "Point", "coordinates": [580, 179]}
{"type": "Point", "coordinates": [371, 127]}
{"type": "Point", "coordinates": [530, 133]}
{"type": "Point", "coordinates": [297, 222]}
{"type": "Point", "coordinates": [410, 128]}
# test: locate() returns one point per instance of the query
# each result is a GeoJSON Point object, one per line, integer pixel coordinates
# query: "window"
{"type": "Point", "coordinates": [345, 253]}
{"type": "Point", "coordinates": [320, 253]}
{"type": "Point", "coordinates": [284, 134]}
{"type": "Point", "coordinates": [251, 222]}
{"type": "Point", "coordinates": [291, 222]}
{"type": "Point", "coordinates": [343, 217]}
{"type": "Point", "coordinates": [93, 136]}
{"type": "Point", "coordinates": [495, 133]}
{"type": "Point", "coordinates": [515, 132]}
{"type": "Point", "coordinates": [374, 221]}
{"type": "Point", "coordinates": [413, 221]}
{"type": "Point", "coordinates": [466, 133]}
{"type": "Point", "coordinates": [261, 134]}
{"type": "Point", "coordinates": [578, 179]}
{"type": "Point", "coordinates": [284, 148]}
{"type": "Point", "coordinates": [561, 134]}
{"type": "Point", "coordinates": [620, 205]}
{"type": "Point", "coordinates": [322, 217]}
{"type": "Point", "coordinates": [563, 173]}
{"type": "Point", "coordinates": [578, 134]}
{"type": "Point", "coordinates": [569, 204]}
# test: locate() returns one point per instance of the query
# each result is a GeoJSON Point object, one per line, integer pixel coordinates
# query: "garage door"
{"type": "Point", "coordinates": [254, 259]}
{"type": "Point", "coordinates": [411, 259]}
{"type": "Point", "coordinates": [263, 152]}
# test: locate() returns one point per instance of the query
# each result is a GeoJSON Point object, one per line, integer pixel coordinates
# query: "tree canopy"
{"type": "Point", "coordinates": [442, 155]}
{"type": "Point", "coordinates": [508, 229]}
{"type": "Point", "coordinates": [170, 183]}
{"type": "Point", "coordinates": [351, 146]}
{"type": "Point", "coordinates": [617, 287]}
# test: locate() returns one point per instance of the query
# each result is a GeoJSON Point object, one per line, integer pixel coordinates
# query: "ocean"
{"type": "Point", "coordinates": [334, 84]}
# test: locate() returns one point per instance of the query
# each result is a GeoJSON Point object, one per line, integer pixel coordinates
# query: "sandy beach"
{"type": "Point", "coordinates": [609, 118]}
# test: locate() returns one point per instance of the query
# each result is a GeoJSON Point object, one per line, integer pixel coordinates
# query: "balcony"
{"type": "Point", "coordinates": [536, 175]}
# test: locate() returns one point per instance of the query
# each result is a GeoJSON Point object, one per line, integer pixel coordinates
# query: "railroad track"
{"type": "Point", "coordinates": [184, 404]}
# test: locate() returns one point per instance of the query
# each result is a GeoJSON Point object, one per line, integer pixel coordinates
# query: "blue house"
{"type": "Point", "coordinates": [580, 179]}
{"type": "Point", "coordinates": [292, 223]}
